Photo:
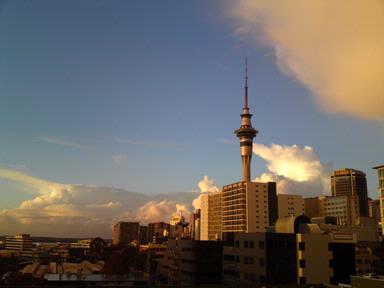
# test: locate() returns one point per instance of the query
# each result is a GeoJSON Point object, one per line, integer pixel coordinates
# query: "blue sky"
{"type": "Point", "coordinates": [157, 87]}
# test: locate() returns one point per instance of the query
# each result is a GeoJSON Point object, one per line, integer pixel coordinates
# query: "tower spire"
{"type": "Point", "coordinates": [246, 132]}
{"type": "Point", "coordinates": [246, 84]}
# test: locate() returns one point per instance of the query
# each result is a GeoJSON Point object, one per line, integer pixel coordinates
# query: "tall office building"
{"type": "Point", "coordinates": [347, 182]}
{"type": "Point", "coordinates": [125, 233]}
{"type": "Point", "coordinates": [247, 206]}
{"type": "Point", "coordinates": [380, 188]}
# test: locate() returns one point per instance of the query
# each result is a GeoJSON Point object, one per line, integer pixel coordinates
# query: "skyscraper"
{"type": "Point", "coordinates": [210, 216]}
{"type": "Point", "coordinates": [125, 233]}
{"type": "Point", "coordinates": [348, 182]}
{"type": "Point", "coordinates": [380, 188]}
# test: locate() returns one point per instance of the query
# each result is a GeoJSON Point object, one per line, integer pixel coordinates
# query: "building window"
{"type": "Point", "coordinates": [301, 246]}
{"type": "Point", "coordinates": [261, 244]}
{"type": "Point", "coordinates": [237, 259]}
{"type": "Point", "coordinates": [251, 244]}
{"type": "Point", "coordinates": [261, 262]}
{"type": "Point", "coordinates": [237, 243]}
{"type": "Point", "coordinates": [302, 263]}
{"type": "Point", "coordinates": [262, 279]}
{"type": "Point", "coordinates": [245, 244]}
{"type": "Point", "coordinates": [229, 257]}
{"type": "Point", "coordinates": [249, 260]}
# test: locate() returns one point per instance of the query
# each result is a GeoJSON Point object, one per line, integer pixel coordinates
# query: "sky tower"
{"type": "Point", "coordinates": [246, 133]}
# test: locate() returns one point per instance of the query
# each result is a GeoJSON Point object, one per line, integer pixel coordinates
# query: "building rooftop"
{"type": "Point", "coordinates": [378, 167]}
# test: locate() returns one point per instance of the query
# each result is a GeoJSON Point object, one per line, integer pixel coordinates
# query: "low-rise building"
{"type": "Point", "coordinates": [299, 254]}
{"type": "Point", "coordinates": [191, 262]}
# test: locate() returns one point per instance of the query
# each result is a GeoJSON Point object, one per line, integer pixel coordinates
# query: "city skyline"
{"type": "Point", "coordinates": [105, 98]}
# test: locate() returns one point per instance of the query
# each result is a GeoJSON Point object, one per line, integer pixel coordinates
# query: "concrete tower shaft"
{"type": "Point", "coordinates": [246, 133]}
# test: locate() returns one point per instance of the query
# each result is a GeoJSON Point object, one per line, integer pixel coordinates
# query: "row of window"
{"type": "Point", "coordinates": [238, 217]}
{"type": "Point", "coordinates": [247, 260]}
{"type": "Point", "coordinates": [249, 244]}
{"type": "Point", "coordinates": [234, 207]}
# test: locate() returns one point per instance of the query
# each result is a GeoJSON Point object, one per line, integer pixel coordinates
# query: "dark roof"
{"type": "Point", "coordinates": [377, 167]}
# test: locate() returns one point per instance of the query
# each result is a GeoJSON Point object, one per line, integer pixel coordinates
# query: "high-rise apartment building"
{"type": "Point", "coordinates": [143, 235]}
{"type": "Point", "coordinates": [194, 225]}
{"type": "Point", "coordinates": [290, 205]}
{"type": "Point", "coordinates": [374, 209]}
{"type": "Point", "coordinates": [380, 188]}
{"type": "Point", "coordinates": [348, 182]}
{"type": "Point", "coordinates": [248, 206]}
{"type": "Point", "coordinates": [20, 242]}
{"type": "Point", "coordinates": [125, 233]}
{"type": "Point", "coordinates": [210, 221]}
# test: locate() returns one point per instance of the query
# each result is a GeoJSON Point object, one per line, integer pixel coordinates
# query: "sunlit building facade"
{"type": "Point", "coordinates": [380, 189]}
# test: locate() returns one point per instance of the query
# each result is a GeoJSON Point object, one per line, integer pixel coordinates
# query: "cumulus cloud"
{"type": "Point", "coordinates": [334, 48]}
{"type": "Point", "coordinates": [82, 210]}
{"type": "Point", "coordinates": [51, 139]}
{"type": "Point", "coordinates": [160, 211]}
{"type": "Point", "coordinates": [206, 185]}
{"type": "Point", "coordinates": [296, 170]}
{"type": "Point", "coordinates": [119, 158]}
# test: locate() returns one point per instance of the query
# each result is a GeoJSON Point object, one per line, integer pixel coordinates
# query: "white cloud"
{"type": "Point", "coordinates": [296, 170]}
{"type": "Point", "coordinates": [62, 142]}
{"type": "Point", "coordinates": [206, 185]}
{"type": "Point", "coordinates": [80, 210]}
{"type": "Point", "coordinates": [119, 158]}
{"type": "Point", "coordinates": [153, 211]}
{"type": "Point", "coordinates": [299, 164]}
{"type": "Point", "coordinates": [335, 48]}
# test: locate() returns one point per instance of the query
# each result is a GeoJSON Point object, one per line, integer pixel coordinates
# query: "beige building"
{"type": "Point", "coordinates": [290, 205]}
{"type": "Point", "coordinates": [245, 260]}
{"type": "Point", "coordinates": [351, 182]}
{"type": "Point", "coordinates": [313, 259]}
{"type": "Point", "coordinates": [248, 206]}
{"type": "Point", "coordinates": [125, 233]}
{"type": "Point", "coordinates": [380, 189]}
{"type": "Point", "coordinates": [20, 242]}
{"type": "Point", "coordinates": [210, 217]}
{"type": "Point", "coordinates": [344, 208]}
